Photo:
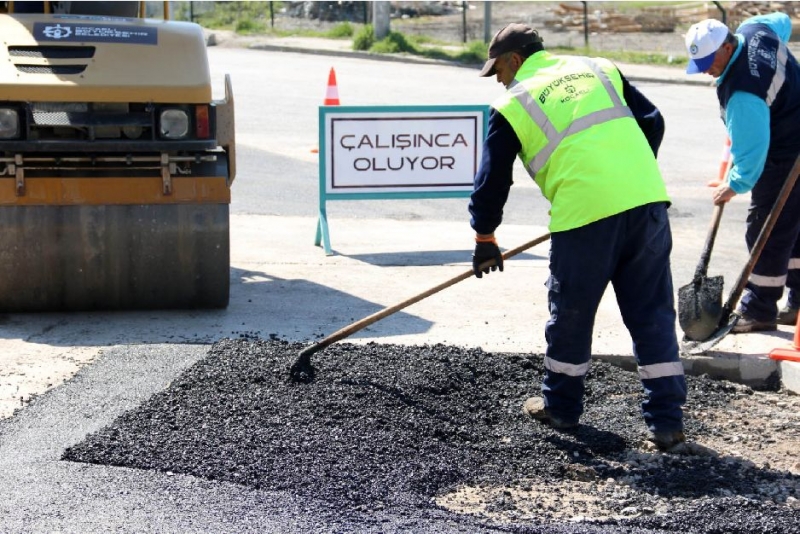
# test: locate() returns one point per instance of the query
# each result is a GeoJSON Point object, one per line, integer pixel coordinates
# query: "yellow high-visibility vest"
{"type": "Point", "coordinates": [580, 141]}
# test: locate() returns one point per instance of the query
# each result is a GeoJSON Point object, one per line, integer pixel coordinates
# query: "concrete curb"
{"type": "Point", "coordinates": [634, 73]}
{"type": "Point", "coordinates": [790, 376]}
{"type": "Point", "coordinates": [357, 54]}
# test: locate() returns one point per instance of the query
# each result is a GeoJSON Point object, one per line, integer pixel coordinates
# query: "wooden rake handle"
{"type": "Point", "coordinates": [377, 316]}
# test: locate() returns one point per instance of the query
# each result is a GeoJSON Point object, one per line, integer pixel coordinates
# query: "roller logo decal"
{"type": "Point", "coordinates": [91, 33]}
{"type": "Point", "coordinates": [57, 32]}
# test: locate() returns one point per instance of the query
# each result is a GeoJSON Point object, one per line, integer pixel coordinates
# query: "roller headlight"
{"type": "Point", "coordinates": [174, 123]}
{"type": "Point", "coordinates": [9, 123]}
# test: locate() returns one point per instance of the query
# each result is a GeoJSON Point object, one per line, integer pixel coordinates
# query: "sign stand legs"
{"type": "Point", "coordinates": [323, 234]}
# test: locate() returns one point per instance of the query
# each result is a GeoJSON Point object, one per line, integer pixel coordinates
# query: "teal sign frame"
{"type": "Point", "coordinates": [363, 157]}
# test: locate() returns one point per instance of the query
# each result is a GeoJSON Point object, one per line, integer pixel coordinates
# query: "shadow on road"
{"type": "Point", "coordinates": [261, 305]}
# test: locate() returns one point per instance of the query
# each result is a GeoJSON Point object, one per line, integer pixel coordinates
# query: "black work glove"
{"type": "Point", "coordinates": [485, 251]}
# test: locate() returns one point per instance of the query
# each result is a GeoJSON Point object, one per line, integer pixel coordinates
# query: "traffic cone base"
{"type": "Point", "coordinates": [792, 353]}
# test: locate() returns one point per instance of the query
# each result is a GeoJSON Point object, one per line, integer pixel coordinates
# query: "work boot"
{"type": "Point", "coordinates": [747, 324]}
{"type": "Point", "coordinates": [666, 440]}
{"type": "Point", "coordinates": [787, 316]}
{"type": "Point", "coordinates": [534, 408]}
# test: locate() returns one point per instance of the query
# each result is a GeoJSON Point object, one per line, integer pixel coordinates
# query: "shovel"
{"type": "Point", "coordinates": [303, 371]}
{"type": "Point", "coordinates": [729, 319]}
{"type": "Point", "coordinates": [700, 301]}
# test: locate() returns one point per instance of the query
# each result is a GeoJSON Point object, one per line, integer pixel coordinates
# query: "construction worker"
{"type": "Point", "coordinates": [588, 139]}
{"type": "Point", "coordinates": [758, 86]}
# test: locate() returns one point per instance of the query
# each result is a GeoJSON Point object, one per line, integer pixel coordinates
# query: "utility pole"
{"type": "Point", "coordinates": [724, 13]}
{"type": "Point", "coordinates": [380, 18]}
{"type": "Point", "coordinates": [585, 24]}
{"type": "Point", "coordinates": [487, 22]}
{"type": "Point", "coordinates": [464, 7]}
{"type": "Point", "coordinates": [271, 15]}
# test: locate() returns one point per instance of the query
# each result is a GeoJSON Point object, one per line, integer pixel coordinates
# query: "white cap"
{"type": "Point", "coordinates": [702, 42]}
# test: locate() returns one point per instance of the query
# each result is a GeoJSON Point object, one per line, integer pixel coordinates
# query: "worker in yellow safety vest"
{"type": "Point", "coordinates": [589, 140]}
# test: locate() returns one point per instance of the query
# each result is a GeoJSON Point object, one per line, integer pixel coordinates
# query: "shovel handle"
{"type": "Point", "coordinates": [705, 256]}
{"type": "Point", "coordinates": [761, 240]}
{"type": "Point", "coordinates": [366, 321]}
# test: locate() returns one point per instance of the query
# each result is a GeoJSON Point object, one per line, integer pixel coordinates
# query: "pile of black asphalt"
{"type": "Point", "coordinates": [383, 430]}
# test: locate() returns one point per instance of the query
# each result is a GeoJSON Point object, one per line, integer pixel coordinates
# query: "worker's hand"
{"type": "Point", "coordinates": [486, 249]}
{"type": "Point", "coordinates": [722, 194]}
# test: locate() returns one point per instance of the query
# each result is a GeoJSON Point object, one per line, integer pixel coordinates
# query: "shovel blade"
{"type": "Point", "coordinates": [701, 347]}
{"type": "Point", "coordinates": [700, 307]}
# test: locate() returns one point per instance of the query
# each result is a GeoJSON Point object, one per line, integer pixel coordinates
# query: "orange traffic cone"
{"type": "Point", "coordinates": [724, 165]}
{"type": "Point", "coordinates": [331, 96]}
{"type": "Point", "coordinates": [791, 354]}
{"type": "Point", "coordinates": [332, 92]}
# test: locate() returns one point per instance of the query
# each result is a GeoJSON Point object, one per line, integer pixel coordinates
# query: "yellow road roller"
{"type": "Point", "coordinates": [116, 163]}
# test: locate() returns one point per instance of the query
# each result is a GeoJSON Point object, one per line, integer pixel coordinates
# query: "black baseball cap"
{"type": "Point", "coordinates": [515, 36]}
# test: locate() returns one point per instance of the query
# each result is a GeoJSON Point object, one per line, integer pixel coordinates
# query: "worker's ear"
{"type": "Point", "coordinates": [728, 48]}
{"type": "Point", "coordinates": [516, 61]}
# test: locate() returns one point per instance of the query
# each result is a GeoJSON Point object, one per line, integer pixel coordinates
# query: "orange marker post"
{"type": "Point", "coordinates": [331, 96]}
{"type": "Point", "coordinates": [724, 165]}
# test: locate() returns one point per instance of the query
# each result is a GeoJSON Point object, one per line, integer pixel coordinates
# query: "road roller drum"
{"type": "Point", "coordinates": [116, 164]}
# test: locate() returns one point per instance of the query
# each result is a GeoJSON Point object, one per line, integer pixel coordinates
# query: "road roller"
{"type": "Point", "coordinates": [116, 163]}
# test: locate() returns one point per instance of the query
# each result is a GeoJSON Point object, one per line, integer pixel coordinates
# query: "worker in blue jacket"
{"type": "Point", "coordinates": [758, 86]}
{"type": "Point", "coordinates": [588, 139]}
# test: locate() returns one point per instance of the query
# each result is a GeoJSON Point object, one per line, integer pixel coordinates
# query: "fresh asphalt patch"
{"type": "Point", "coordinates": [386, 437]}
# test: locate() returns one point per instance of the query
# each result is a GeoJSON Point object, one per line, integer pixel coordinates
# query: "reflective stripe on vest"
{"type": "Point", "coordinates": [554, 137]}
{"type": "Point", "coordinates": [780, 75]}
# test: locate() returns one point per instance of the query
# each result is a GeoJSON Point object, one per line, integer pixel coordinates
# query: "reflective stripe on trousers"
{"type": "Point", "coordinates": [657, 370]}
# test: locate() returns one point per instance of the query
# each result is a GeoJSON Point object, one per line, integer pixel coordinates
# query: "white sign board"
{"type": "Point", "coordinates": [401, 151]}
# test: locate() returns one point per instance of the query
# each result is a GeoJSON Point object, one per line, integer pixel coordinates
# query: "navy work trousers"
{"type": "Point", "coordinates": [779, 262]}
{"type": "Point", "coordinates": [631, 250]}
